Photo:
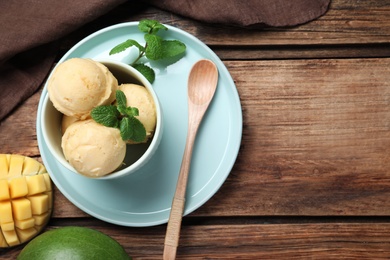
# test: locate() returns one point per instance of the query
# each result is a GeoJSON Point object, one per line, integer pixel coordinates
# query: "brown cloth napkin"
{"type": "Point", "coordinates": [29, 30]}
{"type": "Point", "coordinates": [247, 12]}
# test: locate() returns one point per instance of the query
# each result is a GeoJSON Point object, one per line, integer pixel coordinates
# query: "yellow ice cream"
{"type": "Point", "coordinates": [78, 85]}
{"type": "Point", "coordinates": [111, 81]}
{"type": "Point", "coordinates": [66, 122]}
{"type": "Point", "coordinates": [93, 149]}
{"type": "Point", "coordinates": [139, 97]}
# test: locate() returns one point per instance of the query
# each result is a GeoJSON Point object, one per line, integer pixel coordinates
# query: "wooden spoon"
{"type": "Point", "coordinates": [202, 83]}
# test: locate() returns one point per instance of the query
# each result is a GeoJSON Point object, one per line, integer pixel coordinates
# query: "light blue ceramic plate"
{"type": "Point", "coordinates": [144, 198]}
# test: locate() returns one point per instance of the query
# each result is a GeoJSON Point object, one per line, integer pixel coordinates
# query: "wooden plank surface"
{"type": "Point", "coordinates": [274, 241]}
{"type": "Point", "coordinates": [317, 129]}
{"type": "Point", "coordinates": [312, 179]}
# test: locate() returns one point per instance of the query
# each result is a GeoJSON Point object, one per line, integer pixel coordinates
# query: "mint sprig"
{"type": "Point", "coordinates": [122, 117]}
{"type": "Point", "coordinates": [155, 47]}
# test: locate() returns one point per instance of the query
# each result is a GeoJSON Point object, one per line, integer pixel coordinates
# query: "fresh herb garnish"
{"type": "Point", "coordinates": [122, 117]}
{"type": "Point", "coordinates": [155, 47]}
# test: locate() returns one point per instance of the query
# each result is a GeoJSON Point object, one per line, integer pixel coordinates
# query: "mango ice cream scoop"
{"type": "Point", "coordinates": [78, 85]}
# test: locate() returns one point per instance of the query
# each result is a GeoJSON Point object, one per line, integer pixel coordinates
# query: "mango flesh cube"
{"type": "Point", "coordinates": [3, 165]}
{"type": "Point", "coordinates": [35, 184]}
{"type": "Point", "coordinates": [47, 181]}
{"type": "Point", "coordinates": [25, 224]}
{"type": "Point", "coordinates": [42, 169]}
{"type": "Point", "coordinates": [18, 187]}
{"type": "Point", "coordinates": [15, 165]}
{"type": "Point", "coordinates": [41, 219]}
{"type": "Point", "coordinates": [4, 190]}
{"type": "Point", "coordinates": [26, 234]}
{"type": "Point", "coordinates": [11, 237]}
{"type": "Point", "coordinates": [39, 204]}
{"type": "Point", "coordinates": [21, 209]}
{"type": "Point", "coordinates": [5, 212]}
{"type": "Point", "coordinates": [8, 226]}
{"type": "Point", "coordinates": [26, 199]}
{"type": "Point", "coordinates": [3, 243]}
{"type": "Point", "coordinates": [30, 166]}
{"type": "Point", "coordinates": [50, 198]}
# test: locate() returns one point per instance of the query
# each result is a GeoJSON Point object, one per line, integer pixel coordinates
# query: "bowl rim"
{"type": "Point", "coordinates": [156, 139]}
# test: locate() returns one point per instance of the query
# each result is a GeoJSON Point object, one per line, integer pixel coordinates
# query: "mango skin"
{"type": "Point", "coordinates": [73, 243]}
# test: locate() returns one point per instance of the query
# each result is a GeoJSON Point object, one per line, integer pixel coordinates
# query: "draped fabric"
{"type": "Point", "coordinates": [29, 30]}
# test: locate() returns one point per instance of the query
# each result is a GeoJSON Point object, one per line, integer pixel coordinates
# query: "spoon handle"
{"type": "Point", "coordinates": [178, 203]}
{"type": "Point", "coordinates": [173, 230]}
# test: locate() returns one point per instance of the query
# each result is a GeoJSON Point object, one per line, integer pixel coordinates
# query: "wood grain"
{"type": "Point", "coordinates": [18, 131]}
{"type": "Point", "coordinates": [316, 139]}
{"type": "Point", "coordinates": [275, 241]}
{"type": "Point", "coordinates": [315, 142]}
{"type": "Point", "coordinates": [314, 159]}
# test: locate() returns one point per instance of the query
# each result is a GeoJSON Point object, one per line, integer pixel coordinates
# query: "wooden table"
{"type": "Point", "coordinates": [312, 178]}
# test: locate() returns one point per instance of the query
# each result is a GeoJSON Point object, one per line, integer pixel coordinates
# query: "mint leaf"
{"type": "Point", "coordinates": [121, 109]}
{"type": "Point", "coordinates": [132, 111]}
{"type": "Point", "coordinates": [106, 115]}
{"type": "Point", "coordinates": [139, 132]}
{"type": "Point", "coordinates": [146, 71]}
{"type": "Point", "coordinates": [150, 26]}
{"type": "Point", "coordinates": [121, 98]}
{"type": "Point", "coordinates": [172, 48]}
{"type": "Point", "coordinates": [132, 129]}
{"type": "Point", "coordinates": [121, 101]}
{"type": "Point", "coordinates": [124, 45]}
{"type": "Point", "coordinates": [125, 129]}
{"type": "Point", "coordinates": [154, 49]}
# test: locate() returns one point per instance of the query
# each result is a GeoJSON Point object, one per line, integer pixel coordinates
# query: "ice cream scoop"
{"type": "Point", "coordinates": [66, 122]}
{"type": "Point", "coordinates": [112, 81]}
{"type": "Point", "coordinates": [78, 85]}
{"type": "Point", "coordinates": [139, 97]}
{"type": "Point", "coordinates": [93, 149]}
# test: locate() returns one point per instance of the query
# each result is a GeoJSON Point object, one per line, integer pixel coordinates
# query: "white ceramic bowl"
{"type": "Point", "coordinates": [136, 155]}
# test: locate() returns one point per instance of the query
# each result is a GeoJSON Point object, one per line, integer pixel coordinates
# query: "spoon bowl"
{"type": "Point", "coordinates": [202, 82]}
